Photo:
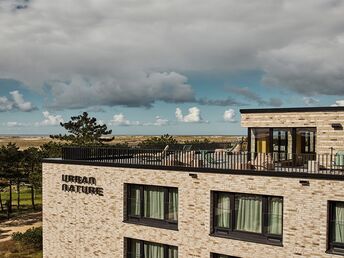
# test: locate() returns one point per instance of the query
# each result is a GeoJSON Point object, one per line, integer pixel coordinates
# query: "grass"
{"type": "Point", "coordinates": [13, 249]}
{"type": "Point", "coordinates": [25, 201]}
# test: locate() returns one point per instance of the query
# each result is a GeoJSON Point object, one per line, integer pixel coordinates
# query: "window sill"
{"type": "Point", "coordinates": [247, 237]}
{"type": "Point", "coordinates": [155, 224]}
{"type": "Point", "coordinates": [335, 252]}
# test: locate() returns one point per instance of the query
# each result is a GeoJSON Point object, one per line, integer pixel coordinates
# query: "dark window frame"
{"type": "Point", "coordinates": [141, 220]}
{"type": "Point", "coordinates": [231, 232]}
{"type": "Point", "coordinates": [332, 247]}
{"type": "Point", "coordinates": [127, 243]}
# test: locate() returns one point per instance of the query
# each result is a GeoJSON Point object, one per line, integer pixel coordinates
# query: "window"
{"type": "Point", "coordinates": [336, 227]}
{"type": "Point", "coordinates": [154, 205]}
{"type": "Point", "coordinates": [143, 249]}
{"type": "Point", "coordinates": [247, 216]}
{"type": "Point", "coordinates": [222, 256]}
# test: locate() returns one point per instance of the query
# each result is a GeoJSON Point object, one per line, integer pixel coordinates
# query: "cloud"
{"type": "Point", "coordinates": [16, 124]}
{"type": "Point", "coordinates": [229, 115]}
{"type": "Point", "coordinates": [20, 103]}
{"type": "Point", "coordinates": [5, 104]}
{"type": "Point", "coordinates": [193, 116]}
{"type": "Point", "coordinates": [159, 121]}
{"type": "Point", "coordinates": [250, 95]}
{"type": "Point", "coordinates": [310, 68]}
{"type": "Point", "coordinates": [121, 120]}
{"type": "Point", "coordinates": [98, 51]}
{"type": "Point", "coordinates": [339, 103]}
{"type": "Point", "coordinates": [220, 102]}
{"type": "Point", "coordinates": [50, 119]}
{"type": "Point", "coordinates": [16, 102]}
{"type": "Point", "coordinates": [137, 90]}
{"type": "Point", "coordinates": [309, 101]}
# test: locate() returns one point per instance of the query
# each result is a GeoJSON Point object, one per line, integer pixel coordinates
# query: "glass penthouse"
{"type": "Point", "coordinates": [280, 196]}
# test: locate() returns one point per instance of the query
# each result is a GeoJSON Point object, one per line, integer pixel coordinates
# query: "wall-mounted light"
{"type": "Point", "coordinates": [337, 126]}
{"type": "Point", "coordinates": [304, 182]}
{"type": "Point", "coordinates": [193, 175]}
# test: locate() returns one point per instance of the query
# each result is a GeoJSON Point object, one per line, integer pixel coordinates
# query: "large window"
{"type": "Point", "coordinates": [154, 205]}
{"type": "Point", "coordinates": [247, 216]}
{"type": "Point", "coordinates": [143, 249]}
{"type": "Point", "coordinates": [336, 227]}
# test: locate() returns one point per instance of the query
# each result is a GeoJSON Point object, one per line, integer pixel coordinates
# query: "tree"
{"type": "Point", "coordinates": [158, 142]}
{"type": "Point", "coordinates": [33, 169]}
{"type": "Point", "coordinates": [84, 130]}
{"type": "Point", "coordinates": [10, 157]}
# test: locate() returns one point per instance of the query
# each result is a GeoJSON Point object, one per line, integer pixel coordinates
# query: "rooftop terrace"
{"type": "Point", "coordinates": [322, 166]}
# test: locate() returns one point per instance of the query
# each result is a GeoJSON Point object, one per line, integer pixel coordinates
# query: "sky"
{"type": "Point", "coordinates": [156, 66]}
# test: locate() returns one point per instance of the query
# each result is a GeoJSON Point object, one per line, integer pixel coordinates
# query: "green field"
{"type": "Point", "coordinates": [25, 199]}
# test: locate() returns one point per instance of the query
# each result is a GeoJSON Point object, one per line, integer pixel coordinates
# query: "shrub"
{"type": "Point", "coordinates": [32, 237]}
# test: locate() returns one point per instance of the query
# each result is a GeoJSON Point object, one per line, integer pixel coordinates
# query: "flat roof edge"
{"type": "Point", "coordinates": [293, 109]}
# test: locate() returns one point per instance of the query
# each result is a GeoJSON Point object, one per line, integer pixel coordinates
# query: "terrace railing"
{"type": "Point", "coordinates": [214, 159]}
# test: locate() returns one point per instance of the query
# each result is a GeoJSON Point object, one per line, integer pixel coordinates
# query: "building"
{"type": "Point", "coordinates": [282, 197]}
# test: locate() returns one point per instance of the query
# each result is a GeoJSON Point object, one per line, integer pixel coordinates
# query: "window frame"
{"type": "Point", "coordinates": [332, 247]}
{"type": "Point", "coordinates": [127, 243]}
{"type": "Point", "coordinates": [141, 219]}
{"type": "Point", "coordinates": [233, 233]}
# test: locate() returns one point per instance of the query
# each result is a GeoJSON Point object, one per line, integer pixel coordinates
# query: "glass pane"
{"type": "Point", "coordinates": [134, 251]}
{"type": "Point", "coordinates": [172, 252]}
{"type": "Point", "coordinates": [222, 210]}
{"type": "Point", "coordinates": [275, 215]}
{"type": "Point", "coordinates": [248, 213]}
{"type": "Point", "coordinates": [152, 250]}
{"type": "Point", "coordinates": [172, 205]}
{"type": "Point", "coordinates": [154, 202]}
{"type": "Point", "coordinates": [135, 206]}
{"type": "Point", "coordinates": [339, 223]}
{"type": "Point", "coordinates": [260, 140]}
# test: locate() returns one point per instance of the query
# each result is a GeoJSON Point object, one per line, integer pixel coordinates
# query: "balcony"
{"type": "Point", "coordinates": [324, 166]}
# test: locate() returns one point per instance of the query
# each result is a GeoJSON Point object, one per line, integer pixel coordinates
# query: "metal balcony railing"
{"type": "Point", "coordinates": [219, 159]}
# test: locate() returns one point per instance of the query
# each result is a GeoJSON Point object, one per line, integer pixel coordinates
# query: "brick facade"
{"type": "Point", "coordinates": [80, 225]}
{"type": "Point", "coordinates": [326, 136]}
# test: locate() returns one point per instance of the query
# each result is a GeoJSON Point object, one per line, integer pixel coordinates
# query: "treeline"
{"type": "Point", "coordinates": [23, 167]}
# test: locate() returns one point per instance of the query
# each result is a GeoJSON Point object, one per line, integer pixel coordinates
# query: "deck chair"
{"type": "Point", "coordinates": [183, 158]}
{"type": "Point", "coordinates": [263, 161]}
{"type": "Point", "coordinates": [159, 156]}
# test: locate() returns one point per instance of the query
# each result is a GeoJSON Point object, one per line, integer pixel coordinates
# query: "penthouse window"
{"type": "Point", "coordinates": [248, 217]}
{"type": "Point", "coordinates": [152, 205]}
{"type": "Point", "coordinates": [336, 227]}
{"type": "Point", "coordinates": [143, 249]}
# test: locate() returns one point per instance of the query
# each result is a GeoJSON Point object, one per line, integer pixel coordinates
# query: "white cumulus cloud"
{"type": "Point", "coordinates": [121, 120]}
{"type": "Point", "coordinates": [339, 103]}
{"type": "Point", "coordinates": [50, 119]}
{"type": "Point", "coordinates": [193, 115]}
{"type": "Point", "coordinates": [15, 102]}
{"type": "Point", "coordinates": [229, 115]}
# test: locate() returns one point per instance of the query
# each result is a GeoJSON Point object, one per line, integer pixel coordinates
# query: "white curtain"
{"type": "Point", "coordinates": [135, 249]}
{"type": "Point", "coordinates": [222, 210]}
{"type": "Point", "coordinates": [153, 250]}
{"type": "Point", "coordinates": [154, 202]}
{"type": "Point", "coordinates": [173, 204]}
{"type": "Point", "coordinates": [249, 213]}
{"type": "Point", "coordinates": [275, 216]}
{"type": "Point", "coordinates": [339, 223]}
{"type": "Point", "coordinates": [172, 252]}
{"type": "Point", "coordinates": [135, 207]}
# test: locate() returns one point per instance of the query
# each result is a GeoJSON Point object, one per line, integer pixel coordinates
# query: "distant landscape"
{"type": "Point", "coordinates": [24, 142]}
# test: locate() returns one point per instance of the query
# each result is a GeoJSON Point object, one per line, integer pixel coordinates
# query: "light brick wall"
{"type": "Point", "coordinates": [80, 225]}
{"type": "Point", "coordinates": [326, 137]}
